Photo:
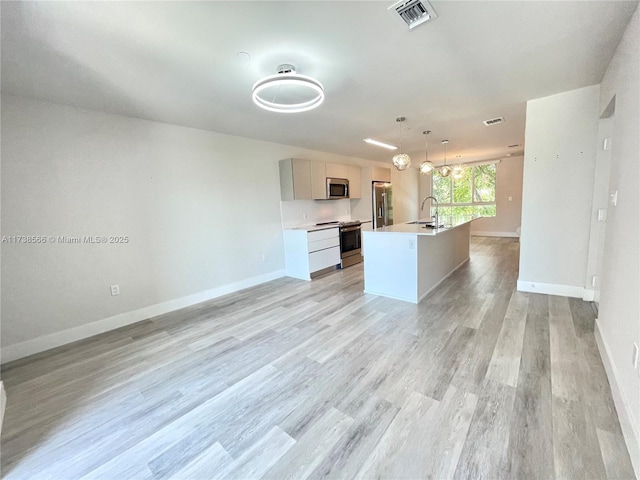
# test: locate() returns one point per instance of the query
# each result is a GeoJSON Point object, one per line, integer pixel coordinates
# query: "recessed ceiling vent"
{"type": "Point", "coordinates": [413, 12]}
{"type": "Point", "coordinates": [493, 121]}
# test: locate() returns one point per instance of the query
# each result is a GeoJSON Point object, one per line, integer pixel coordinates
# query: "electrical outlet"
{"type": "Point", "coordinates": [634, 358]}
{"type": "Point", "coordinates": [602, 214]}
{"type": "Point", "coordinates": [115, 290]}
{"type": "Point", "coordinates": [511, 199]}
{"type": "Point", "coordinates": [613, 198]}
{"type": "Point", "coordinates": [264, 257]}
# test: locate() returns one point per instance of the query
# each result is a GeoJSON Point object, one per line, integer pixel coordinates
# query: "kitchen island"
{"type": "Point", "coordinates": [407, 261]}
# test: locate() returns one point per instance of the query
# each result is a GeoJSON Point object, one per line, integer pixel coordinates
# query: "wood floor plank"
{"type": "Point", "coordinates": [312, 447]}
{"type": "Point", "coordinates": [616, 464]}
{"type": "Point", "coordinates": [474, 315]}
{"type": "Point", "coordinates": [349, 454]}
{"type": "Point", "coordinates": [448, 432]}
{"type": "Point", "coordinates": [566, 361]}
{"type": "Point", "coordinates": [213, 459]}
{"type": "Point", "coordinates": [505, 361]}
{"type": "Point", "coordinates": [254, 462]}
{"type": "Point", "coordinates": [576, 451]}
{"type": "Point", "coordinates": [531, 434]}
{"type": "Point", "coordinates": [477, 355]}
{"type": "Point", "coordinates": [397, 452]}
{"type": "Point", "coordinates": [485, 454]}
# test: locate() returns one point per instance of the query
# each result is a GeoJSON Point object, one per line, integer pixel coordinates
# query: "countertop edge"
{"type": "Point", "coordinates": [414, 229]}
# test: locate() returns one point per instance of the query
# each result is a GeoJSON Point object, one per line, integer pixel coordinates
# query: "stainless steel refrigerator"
{"type": "Point", "coordinates": [382, 204]}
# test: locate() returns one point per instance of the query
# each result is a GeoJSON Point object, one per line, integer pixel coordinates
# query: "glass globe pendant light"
{"type": "Point", "coordinates": [401, 161]}
{"type": "Point", "coordinates": [426, 167]}
{"type": "Point", "coordinates": [458, 170]}
{"type": "Point", "coordinates": [445, 170]}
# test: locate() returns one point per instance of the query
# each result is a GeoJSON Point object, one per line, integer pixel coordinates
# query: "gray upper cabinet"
{"type": "Point", "coordinates": [307, 180]}
{"type": "Point", "coordinates": [380, 174]}
{"type": "Point", "coordinates": [295, 179]}
{"type": "Point", "coordinates": [318, 181]}
{"type": "Point", "coordinates": [351, 173]}
{"type": "Point", "coordinates": [354, 174]}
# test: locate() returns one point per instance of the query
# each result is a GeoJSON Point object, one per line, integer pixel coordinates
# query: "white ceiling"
{"type": "Point", "coordinates": [177, 62]}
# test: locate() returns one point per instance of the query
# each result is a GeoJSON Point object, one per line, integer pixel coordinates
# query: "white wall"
{"type": "Point", "coordinates": [619, 314]}
{"type": "Point", "coordinates": [309, 212]}
{"type": "Point", "coordinates": [200, 210]}
{"type": "Point", "coordinates": [508, 212]}
{"type": "Point", "coordinates": [559, 163]}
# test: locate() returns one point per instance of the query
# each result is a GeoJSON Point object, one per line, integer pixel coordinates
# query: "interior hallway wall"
{"type": "Point", "coordinates": [559, 165]}
{"type": "Point", "coordinates": [619, 314]}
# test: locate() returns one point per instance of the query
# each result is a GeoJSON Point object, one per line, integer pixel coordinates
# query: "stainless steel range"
{"type": "Point", "coordinates": [350, 243]}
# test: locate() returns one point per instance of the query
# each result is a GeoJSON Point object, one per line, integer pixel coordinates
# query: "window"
{"type": "Point", "coordinates": [474, 193]}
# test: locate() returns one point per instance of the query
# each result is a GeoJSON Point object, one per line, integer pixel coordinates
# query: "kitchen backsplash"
{"type": "Point", "coordinates": [296, 213]}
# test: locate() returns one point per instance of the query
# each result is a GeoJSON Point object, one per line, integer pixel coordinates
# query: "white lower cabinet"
{"type": "Point", "coordinates": [309, 252]}
{"type": "Point", "coordinates": [324, 259]}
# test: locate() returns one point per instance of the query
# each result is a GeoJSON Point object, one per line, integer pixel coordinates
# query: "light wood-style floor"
{"type": "Point", "coordinates": [294, 380]}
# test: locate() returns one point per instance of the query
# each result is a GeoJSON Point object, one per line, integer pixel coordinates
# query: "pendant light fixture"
{"type": "Point", "coordinates": [401, 161]}
{"type": "Point", "coordinates": [458, 170]}
{"type": "Point", "coordinates": [287, 91]}
{"type": "Point", "coordinates": [445, 170]}
{"type": "Point", "coordinates": [426, 167]}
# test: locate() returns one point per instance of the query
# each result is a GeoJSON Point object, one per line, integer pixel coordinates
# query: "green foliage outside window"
{"type": "Point", "coordinates": [474, 194]}
{"type": "Point", "coordinates": [485, 183]}
{"type": "Point", "coordinates": [442, 188]}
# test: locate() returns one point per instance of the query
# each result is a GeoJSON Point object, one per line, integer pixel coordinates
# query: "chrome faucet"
{"type": "Point", "coordinates": [437, 219]}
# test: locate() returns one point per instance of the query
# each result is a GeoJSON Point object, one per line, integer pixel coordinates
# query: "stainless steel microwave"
{"type": "Point", "coordinates": [337, 188]}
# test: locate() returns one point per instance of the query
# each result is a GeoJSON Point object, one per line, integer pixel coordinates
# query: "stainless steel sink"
{"type": "Point", "coordinates": [425, 224]}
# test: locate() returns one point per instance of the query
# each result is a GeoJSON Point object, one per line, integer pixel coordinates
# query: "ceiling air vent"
{"type": "Point", "coordinates": [413, 12]}
{"type": "Point", "coordinates": [493, 121]}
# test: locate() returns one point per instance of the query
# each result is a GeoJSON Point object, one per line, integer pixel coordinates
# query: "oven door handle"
{"type": "Point", "coordinates": [350, 229]}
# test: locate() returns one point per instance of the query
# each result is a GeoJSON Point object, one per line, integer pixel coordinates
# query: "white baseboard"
{"type": "Point", "coordinates": [550, 289]}
{"type": "Point", "coordinates": [46, 342]}
{"type": "Point", "coordinates": [625, 414]}
{"type": "Point", "coordinates": [589, 295]}
{"type": "Point", "coordinates": [475, 233]}
{"type": "Point", "coordinates": [3, 403]}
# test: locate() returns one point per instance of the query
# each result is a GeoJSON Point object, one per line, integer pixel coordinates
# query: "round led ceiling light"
{"type": "Point", "coordinates": [288, 92]}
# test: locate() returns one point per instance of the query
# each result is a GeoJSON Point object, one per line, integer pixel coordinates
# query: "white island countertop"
{"type": "Point", "coordinates": [419, 229]}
